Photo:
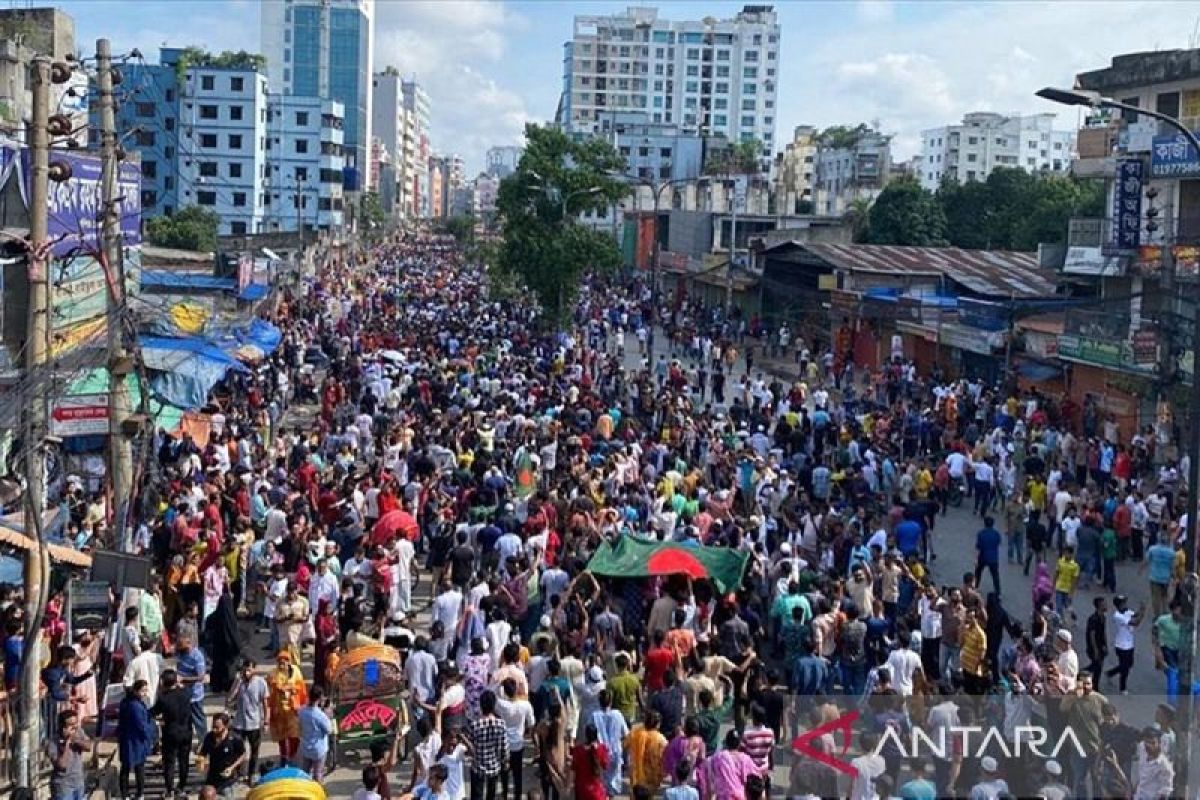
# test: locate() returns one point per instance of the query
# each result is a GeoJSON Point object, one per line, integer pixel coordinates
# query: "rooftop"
{"type": "Point", "coordinates": [1133, 70]}
{"type": "Point", "coordinates": [991, 273]}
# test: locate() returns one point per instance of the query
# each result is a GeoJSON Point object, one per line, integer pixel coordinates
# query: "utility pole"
{"type": "Point", "coordinates": [37, 354]}
{"type": "Point", "coordinates": [733, 203]}
{"type": "Point", "coordinates": [119, 365]}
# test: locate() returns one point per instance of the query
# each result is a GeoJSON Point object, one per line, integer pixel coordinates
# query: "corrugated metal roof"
{"type": "Point", "coordinates": [991, 273]}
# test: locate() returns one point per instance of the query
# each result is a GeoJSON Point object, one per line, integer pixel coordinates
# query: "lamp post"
{"type": "Point", "coordinates": [1075, 97]}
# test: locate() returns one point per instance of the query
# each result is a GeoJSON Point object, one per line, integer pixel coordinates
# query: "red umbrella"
{"type": "Point", "coordinates": [393, 523]}
{"type": "Point", "coordinates": [672, 561]}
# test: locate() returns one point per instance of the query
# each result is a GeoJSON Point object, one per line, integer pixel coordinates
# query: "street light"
{"type": "Point", "coordinates": [1077, 97]}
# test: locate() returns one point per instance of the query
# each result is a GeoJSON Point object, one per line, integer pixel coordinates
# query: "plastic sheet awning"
{"type": "Point", "coordinates": [168, 280]}
{"type": "Point", "coordinates": [254, 292]}
{"type": "Point", "coordinates": [186, 368]}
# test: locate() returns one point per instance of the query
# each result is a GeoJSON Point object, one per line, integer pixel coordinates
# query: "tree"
{"type": "Point", "coordinates": [966, 208]}
{"type": "Point", "coordinates": [461, 227]}
{"type": "Point", "coordinates": [906, 214]}
{"type": "Point", "coordinates": [189, 228]}
{"type": "Point", "coordinates": [856, 218]}
{"type": "Point", "coordinates": [543, 246]}
{"type": "Point", "coordinates": [227, 59]}
{"type": "Point", "coordinates": [371, 211]}
{"type": "Point", "coordinates": [738, 158]}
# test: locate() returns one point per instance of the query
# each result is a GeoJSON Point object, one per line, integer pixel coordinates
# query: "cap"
{"type": "Point", "coordinates": [785, 548]}
{"type": "Point", "coordinates": [1053, 767]}
{"type": "Point", "coordinates": [595, 675]}
{"type": "Point", "coordinates": [1064, 635]}
{"type": "Point", "coordinates": [545, 621]}
{"type": "Point", "coordinates": [988, 764]}
{"type": "Point", "coordinates": [1120, 600]}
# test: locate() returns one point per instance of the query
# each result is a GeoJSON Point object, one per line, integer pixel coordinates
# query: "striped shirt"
{"type": "Point", "coordinates": [757, 742]}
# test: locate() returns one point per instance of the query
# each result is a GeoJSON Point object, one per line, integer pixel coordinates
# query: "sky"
{"type": "Point", "coordinates": [491, 66]}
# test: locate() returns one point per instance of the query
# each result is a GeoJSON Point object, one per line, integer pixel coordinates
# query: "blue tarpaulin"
{"type": "Point", "coordinates": [254, 292]}
{"type": "Point", "coordinates": [186, 369]}
{"type": "Point", "coordinates": [166, 279]}
{"type": "Point", "coordinates": [263, 334]}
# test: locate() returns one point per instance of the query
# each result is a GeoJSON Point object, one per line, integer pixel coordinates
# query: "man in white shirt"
{"type": "Point", "coordinates": [146, 666]}
{"type": "Point", "coordinates": [991, 786]}
{"type": "Point", "coordinates": [323, 587]}
{"type": "Point", "coordinates": [447, 607]}
{"type": "Point", "coordinates": [1124, 622]}
{"type": "Point", "coordinates": [902, 664]}
{"type": "Point", "coordinates": [1155, 774]}
{"type": "Point", "coordinates": [867, 768]}
{"type": "Point", "coordinates": [517, 715]}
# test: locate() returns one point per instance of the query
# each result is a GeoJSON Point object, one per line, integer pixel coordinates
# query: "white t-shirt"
{"type": "Point", "coordinates": [957, 463]}
{"type": "Point", "coordinates": [902, 663]}
{"type": "Point", "coordinates": [1122, 630]}
{"type": "Point", "coordinates": [1070, 528]}
{"type": "Point", "coordinates": [518, 717]}
{"type": "Point", "coordinates": [868, 768]}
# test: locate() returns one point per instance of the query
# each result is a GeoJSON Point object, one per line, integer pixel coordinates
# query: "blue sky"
{"type": "Point", "coordinates": [492, 66]}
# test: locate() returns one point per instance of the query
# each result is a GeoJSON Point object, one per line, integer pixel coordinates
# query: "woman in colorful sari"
{"type": "Point", "coordinates": [287, 693]}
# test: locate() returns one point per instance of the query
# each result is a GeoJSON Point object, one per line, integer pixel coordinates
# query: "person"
{"type": "Point", "coordinates": [646, 746]}
{"type": "Point", "coordinates": [590, 766]}
{"type": "Point", "coordinates": [552, 754]}
{"type": "Point", "coordinates": [758, 741]}
{"type": "Point", "coordinates": [370, 782]}
{"type": "Point", "coordinates": [1160, 560]}
{"type": "Point", "coordinates": [315, 730]}
{"type": "Point", "coordinates": [868, 769]}
{"type": "Point", "coordinates": [1125, 621]}
{"type": "Point", "coordinates": [248, 702]}
{"type": "Point", "coordinates": [221, 755]}
{"type": "Point", "coordinates": [517, 715]}
{"type": "Point", "coordinates": [610, 724]}
{"type": "Point", "coordinates": [920, 787]}
{"type": "Point", "coordinates": [146, 666]}
{"type": "Point", "coordinates": [65, 750]}
{"type": "Point", "coordinates": [434, 787]}
{"type": "Point", "coordinates": [987, 552]}
{"type": "Point", "coordinates": [1166, 636]}
{"type": "Point", "coordinates": [135, 737]}
{"type": "Point", "coordinates": [174, 710]}
{"type": "Point", "coordinates": [224, 643]}
{"type": "Point", "coordinates": [1066, 576]}
{"type": "Point", "coordinates": [1083, 711]}
{"type": "Point", "coordinates": [723, 775]}
{"type": "Point", "coordinates": [1096, 639]}
{"type": "Point", "coordinates": [488, 738]}
{"type": "Point", "coordinates": [286, 694]}
{"type": "Point", "coordinates": [192, 669]}
{"type": "Point", "coordinates": [681, 788]}
{"type": "Point", "coordinates": [326, 628]}
{"type": "Point", "coordinates": [990, 786]}
{"type": "Point", "coordinates": [1155, 773]}
{"type": "Point", "coordinates": [1054, 788]}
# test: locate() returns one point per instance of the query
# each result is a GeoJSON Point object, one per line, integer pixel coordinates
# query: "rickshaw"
{"type": "Point", "coordinates": [287, 783]}
{"type": "Point", "coordinates": [368, 699]}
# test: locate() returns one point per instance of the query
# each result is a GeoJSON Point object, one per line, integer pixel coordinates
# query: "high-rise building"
{"type": "Point", "coordinates": [984, 141]}
{"type": "Point", "coordinates": [222, 161]}
{"type": "Point", "coordinates": [713, 77]}
{"type": "Point", "coordinates": [795, 172]}
{"type": "Point", "coordinates": [305, 159]}
{"type": "Point", "coordinates": [324, 48]}
{"type": "Point", "coordinates": [502, 161]}
{"type": "Point", "coordinates": [417, 149]}
{"type": "Point", "coordinates": [151, 115]}
{"type": "Point", "coordinates": [389, 123]}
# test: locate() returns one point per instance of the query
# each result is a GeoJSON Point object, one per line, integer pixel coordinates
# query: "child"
{"type": "Point", "coordinates": [370, 779]}
{"type": "Point", "coordinates": [680, 789]}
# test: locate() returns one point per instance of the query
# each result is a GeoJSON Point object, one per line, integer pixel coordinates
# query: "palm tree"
{"type": "Point", "coordinates": [858, 218]}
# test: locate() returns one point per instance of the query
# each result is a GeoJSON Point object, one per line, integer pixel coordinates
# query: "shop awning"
{"type": "Point", "coordinates": [634, 558]}
{"type": "Point", "coordinates": [186, 368]}
{"type": "Point", "coordinates": [12, 533]}
{"type": "Point", "coordinates": [254, 292]}
{"type": "Point", "coordinates": [195, 281]}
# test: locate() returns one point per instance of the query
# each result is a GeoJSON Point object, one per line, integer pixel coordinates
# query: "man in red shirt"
{"type": "Point", "coordinates": [659, 659]}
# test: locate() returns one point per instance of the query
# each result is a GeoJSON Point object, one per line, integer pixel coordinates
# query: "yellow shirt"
{"type": "Point", "coordinates": [1066, 576]}
{"type": "Point", "coordinates": [1037, 495]}
{"type": "Point", "coordinates": [922, 482]}
{"type": "Point", "coordinates": [974, 644]}
{"type": "Point", "coordinates": [646, 757]}
{"type": "Point", "coordinates": [1179, 568]}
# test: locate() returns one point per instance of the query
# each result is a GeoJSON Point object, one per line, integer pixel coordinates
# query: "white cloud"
{"type": "Point", "coordinates": [935, 62]}
{"type": "Point", "coordinates": [454, 48]}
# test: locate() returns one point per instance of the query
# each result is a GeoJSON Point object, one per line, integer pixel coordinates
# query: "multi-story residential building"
{"type": "Point", "coordinates": [984, 141]}
{"type": "Point", "coordinates": [713, 77]}
{"type": "Point", "coordinates": [502, 161]}
{"type": "Point", "coordinates": [416, 148]}
{"type": "Point", "coordinates": [439, 187]}
{"type": "Point", "coordinates": [150, 115]}
{"type": "Point", "coordinates": [657, 151]}
{"type": "Point", "coordinates": [483, 195]}
{"type": "Point", "coordinates": [222, 163]}
{"type": "Point", "coordinates": [306, 159]}
{"type": "Point", "coordinates": [795, 171]}
{"type": "Point", "coordinates": [389, 126]}
{"type": "Point", "coordinates": [851, 165]}
{"type": "Point", "coordinates": [325, 48]}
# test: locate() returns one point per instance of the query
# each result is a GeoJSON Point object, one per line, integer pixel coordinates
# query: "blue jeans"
{"type": "Point", "coordinates": [854, 679]}
{"type": "Point", "coordinates": [69, 794]}
{"type": "Point", "coordinates": [1062, 603]}
{"type": "Point", "coordinates": [199, 720]}
{"type": "Point", "coordinates": [1016, 546]}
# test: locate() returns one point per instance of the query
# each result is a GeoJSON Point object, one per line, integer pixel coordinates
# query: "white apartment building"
{"type": "Point", "coordinates": [502, 161]}
{"type": "Point", "coordinates": [712, 77]}
{"type": "Point", "coordinates": [483, 195]}
{"type": "Point", "coordinates": [985, 140]}
{"type": "Point", "coordinates": [795, 170]}
{"type": "Point", "coordinates": [222, 160]}
{"type": "Point", "coordinates": [389, 126]}
{"type": "Point", "coordinates": [417, 150]}
{"type": "Point", "coordinates": [306, 159]}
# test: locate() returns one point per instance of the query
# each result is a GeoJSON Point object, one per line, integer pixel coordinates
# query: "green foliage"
{"type": "Point", "coordinates": [542, 247]}
{"type": "Point", "coordinates": [370, 211]}
{"type": "Point", "coordinates": [906, 214]}
{"type": "Point", "coordinates": [738, 158]}
{"type": "Point", "coordinates": [227, 59]}
{"type": "Point", "coordinates": [1011, 210]}
{"type": "Point", "coordinates": [462, 228]}
{"type": "Point", "coordinates": [840, 136]}
{"type": "Point", "coordinates": [189, 228]}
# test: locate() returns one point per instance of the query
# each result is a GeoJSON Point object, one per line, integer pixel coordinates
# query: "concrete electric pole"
{"type": "Point", "coordinates": [120, 365]}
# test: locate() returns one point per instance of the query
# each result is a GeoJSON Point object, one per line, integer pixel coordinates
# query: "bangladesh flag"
{"type": "Point", "coordinates": [635, 558]}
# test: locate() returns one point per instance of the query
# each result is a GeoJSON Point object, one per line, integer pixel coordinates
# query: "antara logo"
{"type": "Point", "coordinates": [1031, 739]}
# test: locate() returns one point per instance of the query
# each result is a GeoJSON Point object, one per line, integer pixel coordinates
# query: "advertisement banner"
{"type": "Point", "coordinates": [75, 204]}
{"type": "Point", "coordinates": [79, 415]}
{"type": "Point", "coordinates": [1173, 157]}
{"type": "Point", "coordinates": [1127, 205]}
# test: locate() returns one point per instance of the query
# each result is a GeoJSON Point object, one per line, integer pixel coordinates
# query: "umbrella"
{"type": "Point", "coordinates": [673, 561]}
{"type": "Point", "coordinates": [393, 523]}
{"type": "Point", "coordinates": [392, 355]}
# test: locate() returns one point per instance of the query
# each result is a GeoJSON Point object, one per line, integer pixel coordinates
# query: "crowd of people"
{"type": "Point", "coordinates": [419, 446]}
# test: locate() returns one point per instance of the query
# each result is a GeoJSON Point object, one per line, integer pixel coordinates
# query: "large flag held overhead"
{"type": "Point", "coordinates": [635, 558]}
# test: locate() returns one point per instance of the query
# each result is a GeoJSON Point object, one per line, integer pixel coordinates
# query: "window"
{"type": "Point", "coordinates": [770, 72]}
{"type": "Point", "coordinates": [169, 153]}
{"type": "Point", "coordinates": [208, 140]}
{"type": "Point", "coordinates": [643, 152]}
{"type": "Point", "coordinates": [1000, 140]}
{"type": "Point", "coordinates": [658, 101]}
{"type": "Point", "coordinates": [971, 157]}
{"type": "Point", "coordinates": [721, 88]}
{"type": "Point", "coordinates": [723, 72]}
{"type": "Point", "coordinates": [750, 72]}
{"type": "Point", "coordinates": [972, 140]}
{"type": "Point", "coordinates": [722, 55]}
{"type": "Point", "coordinates": [237, 228]}
{"type": "Point", "coordinates": [1130, 116]}
{"type": "Point", "coordinates": [658, 69]}
{"type": "Point", "coordinates": [208, 169]}
{"type": "Point", "coordinates": [719, 119]}
{"type": "Point", "coordinates": [145, 138]}
{"type": "Point", "coordinates": [768, 120]}
{"type": "Point", "coordinates": [148, 198]}
{"type": "Point", "coordinates": [751, 55]}
{"type": "Point", "coordinates": [301, 174]}
{"type": "Point", "coordinates": [1032, 144]}
{"type": "Point", "coordinates": [208, 112]}
{"type": "Point", "coordinates": [749, 88]}
{"type": "Point", "coordinates": [207, 82]}
{"type": "Point", "coordinates": [239, 199]}
{"type": "Point", "coordinates": [235, 141]}
{"type": "Point", "coordinates": [144, 109]}
{"type": "Point", "coordinates": [1167, 103]}
{"type": "Point", "coordinates": [970, 174]}
{"type": "Point", "coordinates": [1058, 145]}
{"type": "Point", "coordinates": [664, 152]}
{"type": "Point", "coordinates": [150, 169]}
{"type": "Point", "coordinates": [169, 123]}
{"type": "Point", "coordinates": [721, 103]}
{"type": "Point", "coordinates": [659, 52]}
{"type": "Point", "coordinates": [235, 112]}
{"type": "Point", "coordinates": [692, 86]}
{"type": "Point", "coordinates": [206, 197]}
{"type": "Point", "coordinates": [747, 122]}
{"type": "Point", "coordinates": [170, 95]}
{"type": "Point", "coordinates": [301, 118]}
{"type": "Point", "coordinates": [237, 84]}
{"type": "Point", "coordinates": [658, 86]}
{"type": "Point", "coordinates": [235, 169]}
{"type": "Point", "coordinates": [689, 102]}
{"type": "Point", "coordinates": [693, 71]}
{"type": "Point", "coordinates": [302, 145]}
{"type": "Point", "coordinates": [693, 54]}
{"type": "Point", "coordinates": [747, 105]}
